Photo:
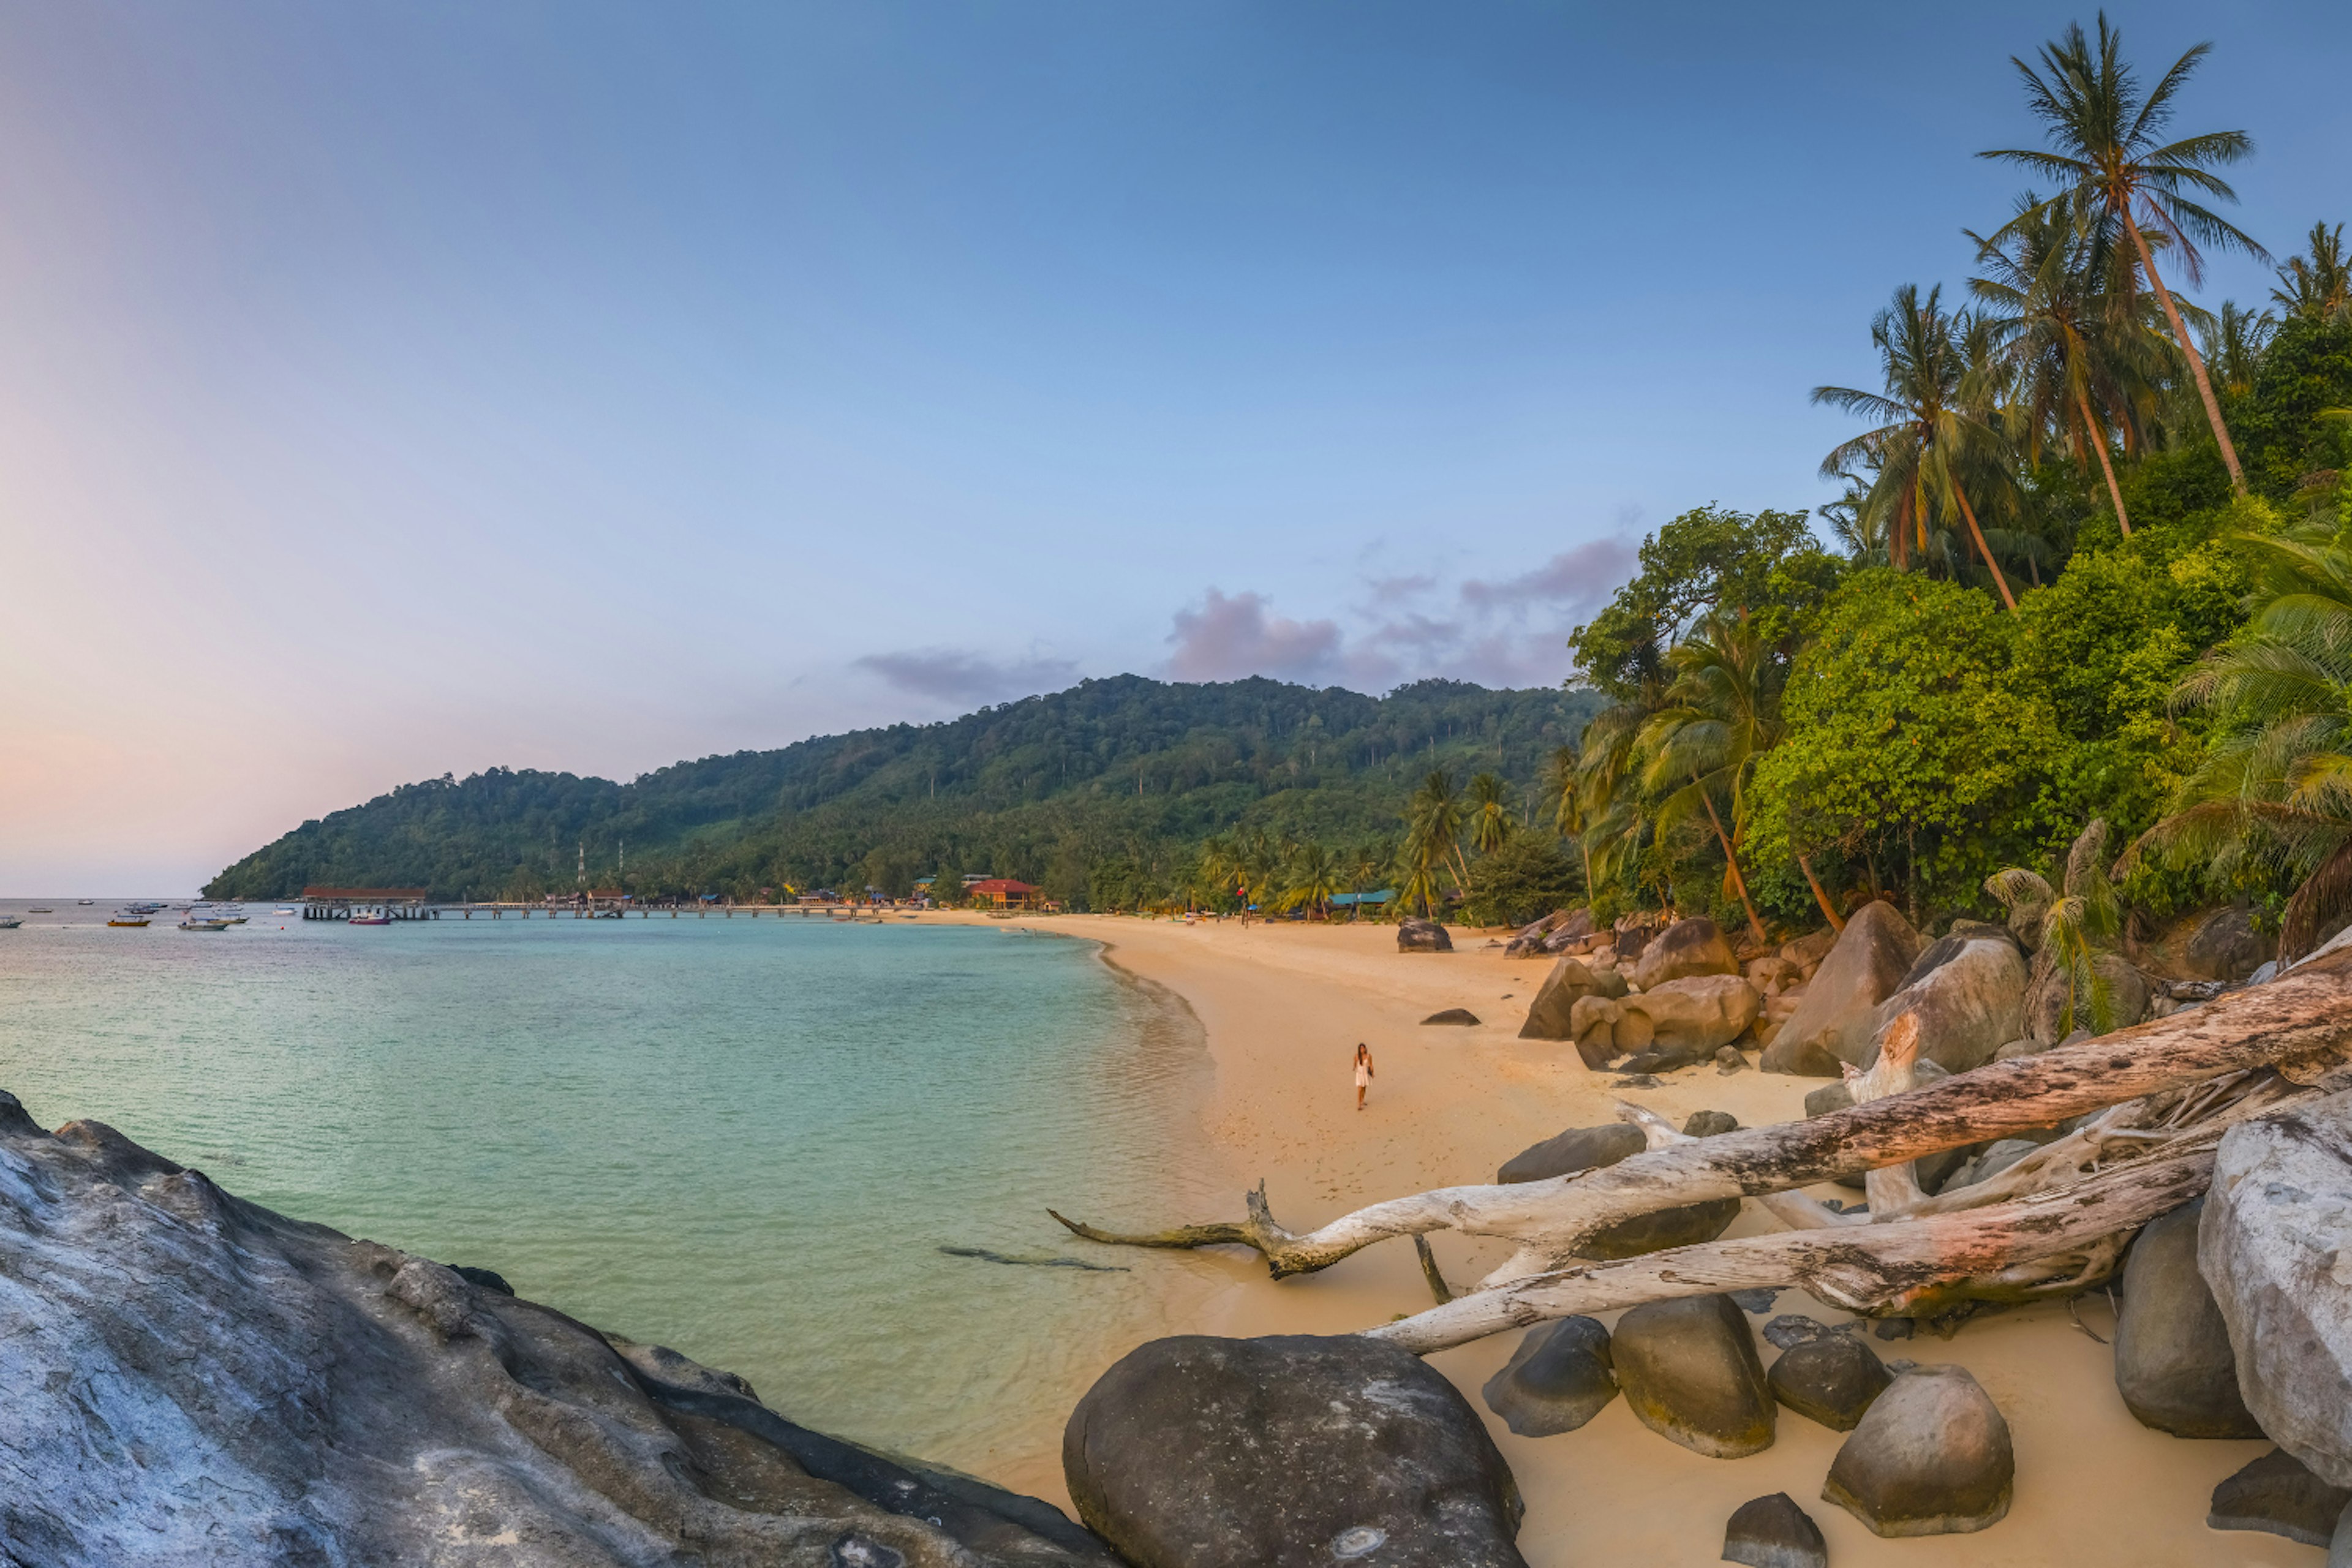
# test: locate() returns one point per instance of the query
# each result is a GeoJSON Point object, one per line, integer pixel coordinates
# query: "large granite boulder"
{"type": "Point", "coordinates": [1559, 1378]}
{"type": "Point", "coordinates": [1833, 1023]}
{"type": "Point", "coordinates": [1561, 926]}
{"type": "Point", "coordinates": [1932, 1456]}
{"type": "Point", "coordinates": [193, 1379]}
{"type": "Point", "coordinates": [2174, 1365]}
{"type": "Point", "coordinates": [1687, 947]}
{"type": "Point", "coordinates": [2277, 1493]}
{"type": "Point", "coordinates": [1830, 1378]}
{"type": "Point", "coordinates": [1679, 1021]}
{"type": "Point", "coordinates": [1550, 1015]}
{"type": "Point", "coordinates": [1968, 1007]}
{"type": "Point", "coordinates": [1589, 1148]}
{"type": "Point", "coordinates": [1774, 1532]}
{"type": "Point", "coordinates": [1422, 936]}
{"type": "Point", "coordinates": [1198, 1452]}
{"type": "Point", "coordinates": [1690, 1371]}
{"type": "Point", "coordinates": [2273, 1245]}
{"type": "Point", "coordinates": [2226, 946]}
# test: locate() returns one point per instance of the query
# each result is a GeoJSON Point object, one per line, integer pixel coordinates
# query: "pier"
{"type": "Point", "coordinates": [415, 904]}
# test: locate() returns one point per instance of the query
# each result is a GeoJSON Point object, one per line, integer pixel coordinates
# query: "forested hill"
{"type": "Point", "coordinates": [1104, 789]}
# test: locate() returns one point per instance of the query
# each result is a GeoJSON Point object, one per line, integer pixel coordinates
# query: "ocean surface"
{"type": "Point", "coordinates": [745, 1139]}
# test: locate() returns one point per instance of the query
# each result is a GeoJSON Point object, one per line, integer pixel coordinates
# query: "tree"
{"type": "Point", "coordinates": [2317, 288]}
{"type": "Point", "coordinates": [1936, 432]}
{"type": "Point", "coordinates": [1313, 880]}
{"type": "Point", "coordinates": [1563, 785]}
{"type": "Point", "coordinates": [1721, 714]}
{"type": "Point", "coordinates": [1490, 813]}
{"type": "Point", "coordinates": [2071, 926]}
{"type": "Point", "coordinates": [2234, 341]}
{"type": "Point", "coordinates": [2104, 150]}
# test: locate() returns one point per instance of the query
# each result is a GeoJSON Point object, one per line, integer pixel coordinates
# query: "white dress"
{"type": "Point", "coordinates": [1364, 1073]}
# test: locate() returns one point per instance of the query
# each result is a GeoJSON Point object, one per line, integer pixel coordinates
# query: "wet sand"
{"type": "Point", "coordinates": [1283, 1007]}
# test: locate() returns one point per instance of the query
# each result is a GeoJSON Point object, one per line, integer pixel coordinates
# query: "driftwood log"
{"type": "Point", "coordinates": [2053, 1222]}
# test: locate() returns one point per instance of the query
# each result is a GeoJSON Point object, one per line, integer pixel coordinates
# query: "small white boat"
{"type": "Point", "coordinates": [286, 912]}
{"type": "Point", "coordinates": [369, 918]}
{"type": "Point", "coordinates": [205, 922]}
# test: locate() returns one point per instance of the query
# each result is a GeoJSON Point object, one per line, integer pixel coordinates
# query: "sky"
{"type": "Point", "coordinates": [389, 390]}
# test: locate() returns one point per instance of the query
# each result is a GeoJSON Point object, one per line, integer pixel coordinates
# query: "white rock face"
{"type": "Point", "coordinates": [1969, 1008]}
{"type": "Point", "coordinates": [192, 1380]}
{"type": "Point", "coordinates": [2275, 1245]}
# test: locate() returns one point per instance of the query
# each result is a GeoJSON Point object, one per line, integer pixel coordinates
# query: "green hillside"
{"type": "Point", "coordinates": [1099, 794]}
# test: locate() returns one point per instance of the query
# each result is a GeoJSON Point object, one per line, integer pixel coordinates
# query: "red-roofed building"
{"type": "Point", "coordinates": [1005, 893]}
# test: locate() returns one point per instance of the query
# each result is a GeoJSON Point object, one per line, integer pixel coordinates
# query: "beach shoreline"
{"type": "Point", "coordinates": [1281, 1007]}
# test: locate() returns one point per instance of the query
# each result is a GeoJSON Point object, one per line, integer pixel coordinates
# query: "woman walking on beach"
{"type": "Point", "coordinates": [1363, 1072]}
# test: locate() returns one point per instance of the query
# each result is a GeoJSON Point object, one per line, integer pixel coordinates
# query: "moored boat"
{"type": "Point", "coordinates": [127, 918]}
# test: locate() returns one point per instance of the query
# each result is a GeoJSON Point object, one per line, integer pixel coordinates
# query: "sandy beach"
{"type": "Point", "coordinates": [1283, 1007]}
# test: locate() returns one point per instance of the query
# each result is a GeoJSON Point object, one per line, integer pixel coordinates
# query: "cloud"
{"type": "Point", "coordinates": [1575, 582]}
{"type": "Point", "coordinates": [1226, 638]}
{"type": "Point", "coordinates": [951, 675]}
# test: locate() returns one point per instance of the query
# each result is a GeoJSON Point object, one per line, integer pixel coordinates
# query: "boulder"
{"type": "Point", "coordinates": [1630, 941]}
{"type": "Point", "coordinates": [1555, 930]}
{"type": "Point", "coordinates": [1833, 1023]}
{"type": "Point", "coordinates": [1422, 936]}
{"type": "Point", "coordinates": [1687, 947]}
{"type": "Point", "coordinates": [1570, 980]}
{"type": "Point", "coordinates": [1830, 1378]}
{"type": "Point", "coordinates": [2226, 946]}
{"type": "Point", "coordinates": [1932, 1456]}
{"type": "Point", "coordinates": [1462, 1016]}
{"type": "Point", "coordinates": [2278, 1494]}
{"type": "Point", "coordinates": [1199, 1452]}
{"type": "Point", "coordinates": [2174, 1365]}
{"type": "Point", "coordinates": [1774, 1532]}
{"type": "Point", "coordinates": [1806, 951]}
{"type": "Point", "coordinates": [1968, 1007]}
{"type": "Point", "coordinates": [1589, 1148]}
{"type": "Point", "coordinates": [187, 1372]}
{"type": "Point", "coordinates": [1932, 957]}
{"type": "Point", "coordinates": [1967, 927]}
{"type": "Point", "coordinates": [1556, 1380]}
{"type": "Point", "coordinates": [2272, 1245]}
{"type": "Point", "coordinates": [1690, 1371]}
{"type": "Point", "coordinates": [1690, 1018]}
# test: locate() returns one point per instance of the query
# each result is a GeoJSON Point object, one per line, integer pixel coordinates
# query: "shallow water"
{"type": "Point", "coordinates": [748, 1140]}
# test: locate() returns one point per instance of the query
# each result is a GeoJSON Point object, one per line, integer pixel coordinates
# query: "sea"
{"type": "Point", "coordinates": [818, 1155]}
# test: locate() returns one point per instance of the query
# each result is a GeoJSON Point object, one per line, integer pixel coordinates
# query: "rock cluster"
{"type": "Point", "coordinates": [1589, 1148]}
{"type": "Point", "coordinates": [195, 1380]}
{"type": "Point", "coordinates": [1833, 1024]}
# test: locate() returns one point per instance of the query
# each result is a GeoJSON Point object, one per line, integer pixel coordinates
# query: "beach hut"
{"type": "Point", "coordinates": [1005, 893]}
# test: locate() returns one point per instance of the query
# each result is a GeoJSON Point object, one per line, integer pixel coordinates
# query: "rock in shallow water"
{"type": "Point", "coordinates": [2277, 1494]}
{"type": "Point", "coordinates": [1931, 1457]}
{"type": "Point", "coordinates": [1690, 1371]}
{"type": "Point", "coordinates": [1557, 1379]}
{"type": "Point", "coordinates": [324, 1400]}
{"type": "Point", "coordinates": [1197, 1452]}
{"type": "Point", "coordinates": [1774, 1532]}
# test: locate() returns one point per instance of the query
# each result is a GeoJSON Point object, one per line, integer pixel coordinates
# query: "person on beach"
{"type": "Point", "coordinates": [1363, 1072]}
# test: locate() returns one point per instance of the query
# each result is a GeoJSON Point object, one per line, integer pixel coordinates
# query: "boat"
{"type": "Point", "coordinates": [85, 903]}
{"type": "Point", "coordinates": [286, 912]}
{"type": "Point", "coordinates": [204, 922]}
{"type": "Point", "coordinates": [125, 918]}
{"type": "Point", "coordinates": [10, 923]}
{"type": "Point", "coordinates": [40, 911]}
{"type": "Point", "coordinates": [369, 918]}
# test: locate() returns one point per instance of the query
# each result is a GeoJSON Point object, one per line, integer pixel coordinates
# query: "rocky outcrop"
{"type": "Point", "coordinates": [2174, 1365]}
{"type": "Point", "coordinates": [195, 1380]}
{"type": "Point", "coordinates": [1968, 1007]}
{"type": "Point", "coordinates": [1589, 1148]}
{"type": "Point", "coordinates": [1833, 1025]}
{"type": "Point", "coordinates": [2226, 946]}
{"type": "Point", "coordinates": [1830, 1378]}
{"type": "Point", "coordinates": [1684, 949]}
{"type": "Point", "coordinates": [1690, 1371]}
{"type": "Point", "coordinates": [1676, 1024]}
{"type": "Point", "coordinates": [1774, 1532]}
{"type": "Point", "coordinates": [1550, 934]}
{"type": "Point", "coordinates": [1559, 1378]}
{"type": "Point", "coordinates": [2273, 1246]}
{"type": "Point", "coordinates": [1461, 1017]}
{"type": "Point", "coordinates": [1931, 1457]}
{"type": "Point", "coordinates": [1197, 1452]}
{"type": "Point", "coordinates": [2278, 1494]}
{"type": "Point", "coordinates": [1550, 1014]}
{"type": "Point", "coordinates": [1422, 936]}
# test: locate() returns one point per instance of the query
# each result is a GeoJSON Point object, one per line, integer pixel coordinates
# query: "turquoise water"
{"type": "Point", "coordinates": [744, 1139]}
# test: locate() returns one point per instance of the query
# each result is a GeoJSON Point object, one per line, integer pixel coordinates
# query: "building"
{"type": "Point", "coordinates": [1005, 893]}
{"type": "Point", "coordinates": [337, 903]}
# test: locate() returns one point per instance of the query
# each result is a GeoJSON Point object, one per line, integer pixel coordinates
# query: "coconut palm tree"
{"type": "Point", "coordinates": [1434, 829]}
{"type": "Point", "coordinates": [2317, 288]}
{"type": "Point", "coordinates": [1937, 436]}
{"type": "Point", "coordinates": [1563, 786]}
{"type": "Point", "coordinates": [2076, 357]}
{"type": "Point", "coordinates": [1490, 813]}
{"type": "Point", "coordinates": [1313, 879]}
{"type": "Point", "coordinates": [2235, 340]}
{"type": "Point", "coordinates": [2275, 787]}
{"type": "Point", "coordinates": [2104, 150]}
{"type": "Point", "coordinates": [2070, 925]}
{"type": "Point", "coordinates": [1721, 714]}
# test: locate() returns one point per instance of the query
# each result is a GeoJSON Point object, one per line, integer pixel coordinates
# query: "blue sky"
{"type": "Point", "coordinates": [394, 389]}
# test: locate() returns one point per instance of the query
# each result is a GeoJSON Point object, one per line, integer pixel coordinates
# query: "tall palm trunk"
{"type": "Point", "coordinates": [2196, 365]}
{"type": "Point", "coordinates": [2096, 434]}
{"type": "Point", "coordinates": [1978, 534]}
{"type": "Point", "coordinates": [1837, 922]}
{"type": "Point", "coordinates": [1730, 859]}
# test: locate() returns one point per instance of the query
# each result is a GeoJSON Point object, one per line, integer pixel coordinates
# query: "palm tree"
{"type": "Point", "coordinates": [1434, 830]}
{"type": "Point", "coordinates": [1490, 813]}
{"type": "Point", "coordinates": [2055, 319]}
{"type": "Point", "coordinates": [2105, 151]}
{"type": "Point", "coordinates": [2275, 786]}
{"type": "Point", "coordinates": [1563, 784]}
{"type": "Point", "coordinates": [2234, 341]}
{"type": "Point", "coordinates": [2317, 288]}
{"type": "Point", "coordinates": [2075, 924]}
{"type": "Point", "coordinates": [1313, 879]}
{"type": "Point", "coordinates": [1936, 430]}
{"type": "Point", "coordinates": [1721, 714]}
